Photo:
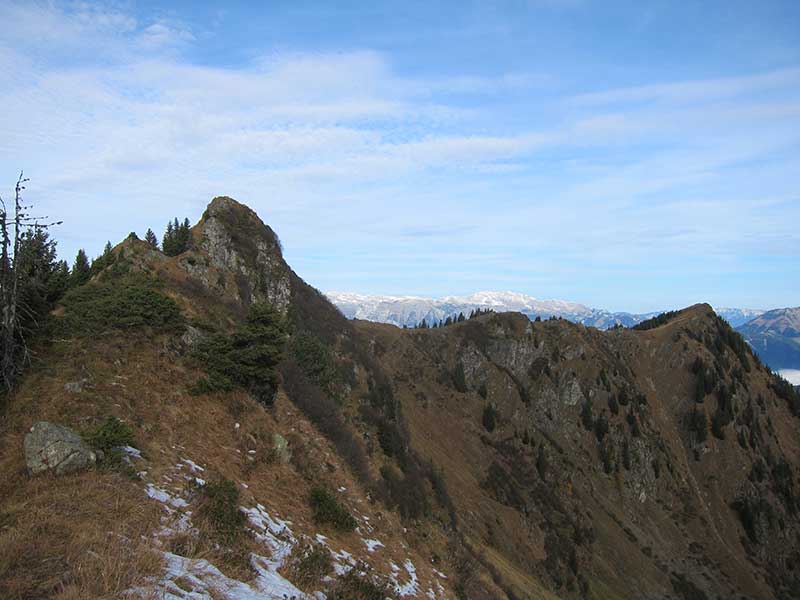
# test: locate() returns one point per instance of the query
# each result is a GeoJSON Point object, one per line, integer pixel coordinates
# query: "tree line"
{"type": "Point", "coordinates": [450, 320]}
{"type": "Point", "coordinates": [33, 279]}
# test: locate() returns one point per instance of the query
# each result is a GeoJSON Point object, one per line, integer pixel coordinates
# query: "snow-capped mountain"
{"type": "Point", "coordinates": [411, 310]}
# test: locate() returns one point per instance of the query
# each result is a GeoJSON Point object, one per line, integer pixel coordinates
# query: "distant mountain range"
{"type": "Point", "coordinates": [775, 336]}
{"type": "Point", "coordinates": [409, 311]}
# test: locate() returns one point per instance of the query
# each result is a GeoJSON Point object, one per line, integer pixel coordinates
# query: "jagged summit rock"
{"type": "Point", "coordinates": [236, 240]}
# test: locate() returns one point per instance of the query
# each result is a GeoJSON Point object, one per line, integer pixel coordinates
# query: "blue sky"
{"type": "Point", "coordinates": [627, 155]}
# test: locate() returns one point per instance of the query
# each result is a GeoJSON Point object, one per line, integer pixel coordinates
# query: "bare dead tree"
{"type": "Point", "coordinates": [12, 226]}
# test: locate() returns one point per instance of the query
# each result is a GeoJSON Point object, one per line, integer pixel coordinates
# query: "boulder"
{"type": "Point", "coordinates": [53, 447]}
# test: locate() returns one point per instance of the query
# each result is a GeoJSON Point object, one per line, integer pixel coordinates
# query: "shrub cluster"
{"type": "Point", "coordinates": [125, 303]}
{"type": "Point", "coordinates": [329, 511]}
{"type": "Point", "coordinates": [113, 433]}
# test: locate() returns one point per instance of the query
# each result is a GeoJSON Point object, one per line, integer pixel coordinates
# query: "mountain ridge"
{"type": "Point", "coordinates": [498, 458]}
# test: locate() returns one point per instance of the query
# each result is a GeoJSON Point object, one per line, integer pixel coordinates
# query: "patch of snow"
{"type": "Point", "coordinates": [273, 533]}
{"type": "Point", "coordinates": [201, 579]}
{"type": "Point", "coordinates": [372, 545]}
{"type": "Point", "coordinates": [192, 465]}
{"type": "Point", "coordinates": [131, 451]}
{"type": "Point", "coordinates": [411, 587]}
{"type": "Point", "coordinates": [164, 497]}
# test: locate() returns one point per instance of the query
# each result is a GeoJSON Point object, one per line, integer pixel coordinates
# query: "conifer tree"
{"type": "Point", "coordinates": [185, 236]}
{"type": "Point", "coordinates": [168, 241]}
{"type": "Point", "coordinates": [81, 270]}
{"type": "Point", "coordinates": [101, 262]}
{"type": "Point", "coordinates": [151, 239]}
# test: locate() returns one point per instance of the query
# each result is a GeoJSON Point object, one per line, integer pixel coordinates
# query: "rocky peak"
{"type": "Point", "coordinates": [241, 246]}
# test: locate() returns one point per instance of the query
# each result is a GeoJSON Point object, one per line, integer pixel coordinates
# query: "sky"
{"type": "Point", "coordinates": [634, 156]}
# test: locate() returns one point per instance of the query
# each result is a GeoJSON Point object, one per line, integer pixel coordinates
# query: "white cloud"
{"type": "Point", "coordinates": [694, 91]}
{"type": "Point", "coordinates": [332, 142]}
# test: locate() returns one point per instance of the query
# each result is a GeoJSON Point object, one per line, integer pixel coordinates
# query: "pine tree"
{"type": "Point", "coordinates": [81, 270]}
{"type": "Point", "coordinates": [104, 260]}
{"type": "Point", "coordinates": [151, 239]}
{"type": "Point", "coordinates": [176, 238]}
{"type": "Point", "coordinates": [185, 236]}
{"type": "Point", "coordinates": [58, 282]}
{"type": "Point", "coordinates": [168, 241]}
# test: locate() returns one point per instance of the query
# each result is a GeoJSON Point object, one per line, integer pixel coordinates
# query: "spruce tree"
{"type": "Point", "coordinates": [81, 270]}
{"type": "Point", "coordinates": [151, 239]}
{"type": "Point", "coordinates": [168, 241]}
{"type": "Point", "coordinates": [185, 236]}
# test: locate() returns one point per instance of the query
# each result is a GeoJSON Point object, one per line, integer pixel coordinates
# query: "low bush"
{"type": "Point", "coordinates": [309, 565]}
{"type": "Point", "coordinates": [113, 433]}
{"type": "Point", "coordinates": [219, 510]}
{"type": "Point", "coordinates": [359, 584]}
{"type": "Point", "coordinates": [329, 511]}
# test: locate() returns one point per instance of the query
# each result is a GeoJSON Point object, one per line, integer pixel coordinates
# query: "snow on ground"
{"type": "Point", "coordinates": [372, 545]}
{"type": "Point", "coordinates": [411, 587]}
{"type": "Point", "coordinates": [198, 579]}
{"type": "Point", "coordinates": [190, 579]}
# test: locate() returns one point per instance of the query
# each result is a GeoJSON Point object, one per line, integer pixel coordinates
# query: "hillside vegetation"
{"type": "Point", "coordinates": [252, 442]}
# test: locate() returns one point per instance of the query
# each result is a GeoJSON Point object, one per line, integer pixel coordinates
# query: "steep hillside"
{"type": "Point", "coordinates": [254, 443]}
{"type": "Point", "coordinates": [159, 517]}
{"type": "Point", "coordinates": [775, 336]}
{"type": "Point", "coordinates": [620, 464]}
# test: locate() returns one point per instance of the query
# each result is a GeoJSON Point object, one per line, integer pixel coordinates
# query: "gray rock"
{"type": "Point", "coordinates": [280, 446]}
{"type": "Point", "coordinates": [75, 387]}
{"type": "Point", "coordinates": [53, 447]}
{"type": "Point", "coordinates": [191, 337]}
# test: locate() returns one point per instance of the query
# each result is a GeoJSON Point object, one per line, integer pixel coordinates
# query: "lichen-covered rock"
{"type": "Point", "coordinates": [53, 447]}
{"type": "Point", "coordinates": [281, 447]}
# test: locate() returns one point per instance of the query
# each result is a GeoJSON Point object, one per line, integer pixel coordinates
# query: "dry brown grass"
{"type": "Point", "coordinates": [65, 537]}
{"type": "Point", "coordinates": [75, 537]}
